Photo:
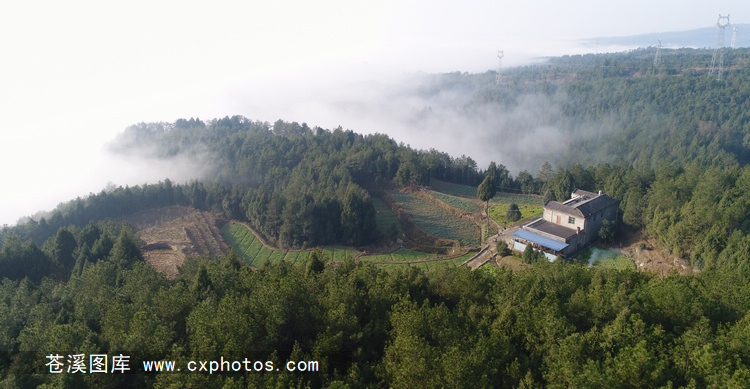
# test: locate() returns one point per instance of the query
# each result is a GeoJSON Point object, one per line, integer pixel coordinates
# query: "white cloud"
{"type": "Point", "coordinates": [75, 73]}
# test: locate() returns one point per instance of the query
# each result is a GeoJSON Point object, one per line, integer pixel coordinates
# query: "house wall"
{"type": "Point", "coordinates": [575, 243]}
{"type": "Point", "coordinates": [589, 227]}
{"type": "Point", "coordinates": [551, 216]}
{"type": "Point", "coordinates": [595, 221]}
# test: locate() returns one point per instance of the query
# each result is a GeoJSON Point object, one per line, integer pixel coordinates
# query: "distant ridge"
{"type": "Point", "coordinates": [699, 38]}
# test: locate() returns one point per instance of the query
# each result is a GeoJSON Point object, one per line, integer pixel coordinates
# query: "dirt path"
{"type": "Point", "coordinates": [490, 255]}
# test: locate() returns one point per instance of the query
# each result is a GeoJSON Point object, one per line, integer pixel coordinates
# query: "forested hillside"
{"type": "Point", "coordinates": [300, 187]}
{"type": "Point", "coordinates": [669, 142]}
{"type": "Point", "coordinates": [610, 106]}
{"type": "Point", "coordinates": [558, 325]}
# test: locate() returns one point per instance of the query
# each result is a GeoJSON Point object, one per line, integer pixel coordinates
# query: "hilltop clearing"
{"type": "Point", "coordinates": [171, 233]}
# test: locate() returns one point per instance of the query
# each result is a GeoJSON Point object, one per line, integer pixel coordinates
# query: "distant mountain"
{"type": "Point", "coordinates": [698, 38]}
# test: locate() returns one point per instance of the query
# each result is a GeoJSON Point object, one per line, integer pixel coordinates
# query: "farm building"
{"type": "Point", "coordinates": [566, 228]}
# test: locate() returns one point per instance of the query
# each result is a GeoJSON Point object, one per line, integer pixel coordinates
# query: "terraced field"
{"type": "Point", "coordinates": [454, 189]}
{"type": "Point", "coordinates": [171, 233]}
{"type": "Point", "coordinates": [384, 217]}
{"type": "Point", "coordinates": [398, 256]}
{"type": "Point", "coordinates": [339, 254]}
{"type": "Point", "coordinates": [437, 221]}
{"type": "Point", "coordinates": [455, 262]}
{"type": "Point", "coordinates": [254, 253]}
{"type": "Point", "coordinates": [519, 199]}
{"type": "Point", "coordinates": [456, 202]}
{"type": "Point", "coordinates": [250, 248]}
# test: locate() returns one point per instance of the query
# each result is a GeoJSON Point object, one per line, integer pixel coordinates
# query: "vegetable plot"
{"type": "Point", "coordinates": [437, 221]}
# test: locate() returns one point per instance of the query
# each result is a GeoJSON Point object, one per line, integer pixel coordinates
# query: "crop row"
{"type": "Point", "coordinates": [518, 199]}
{"type": "Point", "coordinates": [401, 255]}
{"type": "Point", "coordinates": [428, 265]}
{"type": "Point", "coordinates": [250, 248]}
{"type": "Point", "coordinates": [384, 217]}
{"type": "Point", "coordinates": [254, 253]}
{"type": "Point", "coordinates": [454, 189]}
{"type": "Point", "coordinates": [456, 202]}
{"type": "Point", "coordinates": [437, 221]}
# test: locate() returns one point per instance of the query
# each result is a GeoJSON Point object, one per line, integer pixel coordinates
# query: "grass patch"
{"type": "Point", "coordinates": [519, 199]}
{"type": "Point", "coordinates": [497, 212]}
{"type": "Point", "coordinates": [459, 260]}
{"type": "Point", "coordinates": [620, 262]}
{"type": "Point", "coordinates": [604, 258]}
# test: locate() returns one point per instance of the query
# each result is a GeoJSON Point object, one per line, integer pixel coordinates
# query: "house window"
{"type": "Point", "coordinates": [571, 220]}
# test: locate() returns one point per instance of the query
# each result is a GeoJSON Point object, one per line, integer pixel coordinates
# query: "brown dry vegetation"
{"type": "Point", "coordinates": [648, 256]}
{"type": "Point", "coordinates": [510, 262]}
{"type": "Point", "coordinates": [171, 233]}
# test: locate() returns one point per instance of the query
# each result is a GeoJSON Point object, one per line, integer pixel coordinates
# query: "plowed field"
{"type": "Point", "coordinates": [173, 232]}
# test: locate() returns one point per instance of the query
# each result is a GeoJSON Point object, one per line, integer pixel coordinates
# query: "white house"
{"type": "Point", "coordinates": [566, 228]}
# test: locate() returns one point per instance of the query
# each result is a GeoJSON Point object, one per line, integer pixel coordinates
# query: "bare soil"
{"type": "Point", "coordinates": [648, 256]}
{"type": "Point", "coordinates": [171, 233]}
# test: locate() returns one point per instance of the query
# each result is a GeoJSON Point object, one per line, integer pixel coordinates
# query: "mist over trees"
{"type": "Point", "coordinates": [298, 186]}
{"type": "Point", "coordinates": [596, 108]}
{"type": "Point", "coordinates": [670, 144]}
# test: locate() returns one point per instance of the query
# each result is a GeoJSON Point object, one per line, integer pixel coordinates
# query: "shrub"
{"type": "Point", "coordinates": [502, 249]}
{"type": "Point", "coordinates": [513, 213]}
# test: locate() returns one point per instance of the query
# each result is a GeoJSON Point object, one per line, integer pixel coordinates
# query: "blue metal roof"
{"type": "Point", "coordinates": [540, 240]}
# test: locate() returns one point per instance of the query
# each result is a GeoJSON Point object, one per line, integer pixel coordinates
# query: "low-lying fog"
{"type": "Point", "coordinates": [75, 74]}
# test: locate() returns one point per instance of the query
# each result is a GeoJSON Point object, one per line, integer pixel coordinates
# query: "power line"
{"type": "Point", "coordinates": [500, 55]}
{"type": "Point", "coordinates": [722, 23]}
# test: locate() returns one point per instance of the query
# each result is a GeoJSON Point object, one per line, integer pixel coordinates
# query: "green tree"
{"type": "Point", "coordinates": [502, 249]}
{"type": "Point", "coordinates": [526, 182]}
{"type": "Point", "coordinates": [62, 249]}
{"type": "Point", "coordinates": [513, 213]}
{"type": "Point", "coordinates": [357, 216]}
{"type": "Point", "coordinates": [487, 190]}
{"type": "Point", "coordinates": [532, 256]}
{"type": "Point", "coordinates": [126, 249]}
{"type": "Point", "coordinates": [606, 231]}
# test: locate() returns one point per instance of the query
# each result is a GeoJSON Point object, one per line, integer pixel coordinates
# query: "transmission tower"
{"type": "Point", "coordinates": [734, 37]}
{"type": "Point", "coordinates": [657, 57]}
{"type": "Point", "coordinates": [719, 52]}
{"type": "Point", "coordinates": [500, 56]}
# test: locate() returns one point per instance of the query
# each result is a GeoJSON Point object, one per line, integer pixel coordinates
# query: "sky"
{"type": "Point", "coordinates": [74, 74]}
